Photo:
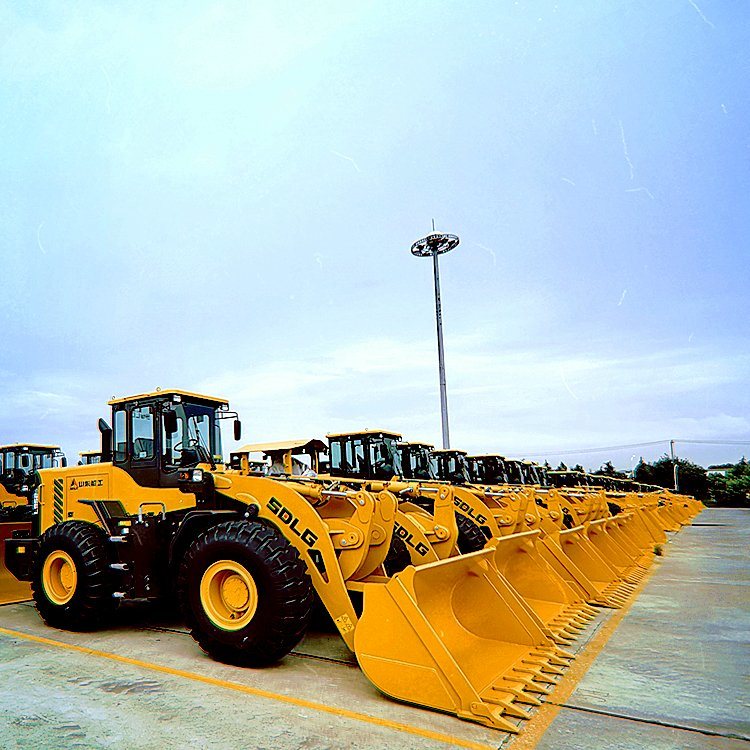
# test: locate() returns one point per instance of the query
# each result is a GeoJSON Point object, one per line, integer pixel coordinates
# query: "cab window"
{"type": "Point", "coordinates": [172, 444]}
{"type": "Point", "coordinates": [355, 455]}
{"type": "Point", "coordinates": [120, 436]}
{"type": "Point", "coordinates": [142, 433]}
{"type": "Point", "coordinates": [335, 455]}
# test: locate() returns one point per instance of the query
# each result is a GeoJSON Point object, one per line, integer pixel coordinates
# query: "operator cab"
{"type": "Point", "coordinates": [415, 460]}
{"type": "Point", "coordinates": [567, 478]}
{"type": "Point", "coordinates": [488, 469]}
{"type": "Point", "coordinates": [156, 435]}
{"type": "Point", "coordinates": [530, 473]}
{"type": "Point", "coordinates": [450, 466]}
{"type": "Point", "coordinates": [515, 472]}
{"type": "Point", "coordinates": [371, 454]}
{"type": "Point", "coordinates": [286, 458]}
{"type": "Point", "coordinates": [88, 458]}
{"type": "Point", "coordinates": [20, 462]}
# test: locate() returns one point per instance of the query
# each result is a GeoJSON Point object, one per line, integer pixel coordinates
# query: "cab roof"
{"type": "Point", "coordinates": [170, 392]}
{"type": "Point", "coordinates": [29, 446]}
{"type": "Point", "coordinates": [449, 450]}
{"type": "Point", "coordinates": [89, 453]}
{"type": "Point", "coordinates": [490, 455]}
{"type": "Point", "coordinates": [385, 433]}
{"type": "Point", "coordinates": [283, 445]}
{"type": "Point", "coordinates": [418, 444]}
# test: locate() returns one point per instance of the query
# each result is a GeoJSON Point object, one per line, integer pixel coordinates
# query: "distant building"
{"type": "Point", "coordinates": [719, 469]}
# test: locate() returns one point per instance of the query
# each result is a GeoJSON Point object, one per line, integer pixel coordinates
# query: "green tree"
{"type": "Point", "coordinates": [608, 470]}
{"type": "Point", "coordinates": [692, 479]}
{"type": "Point", "coordinates": [732, 488]}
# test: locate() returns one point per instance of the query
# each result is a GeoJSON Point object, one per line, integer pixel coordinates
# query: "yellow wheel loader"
{"type": "Point", "coordinates": [243, 554]}
{"type": "Point", "coordinates": [18, 466]}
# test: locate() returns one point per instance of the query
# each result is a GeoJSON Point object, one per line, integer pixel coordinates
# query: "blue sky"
{"type": "Point", "coordinates": [222, 196]}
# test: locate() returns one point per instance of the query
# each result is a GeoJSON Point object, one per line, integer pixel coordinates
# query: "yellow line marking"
{"type": "Point", "coordinates": [540, 722]}
{"type": "Point", "coordinates": [301, 702]}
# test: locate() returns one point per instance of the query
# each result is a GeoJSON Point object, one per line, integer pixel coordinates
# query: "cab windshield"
{"type": "Point", "coordinates": [515, 475]}
{"type": "Point", "coordinates": [532, 475]}
{"type": "Point", "coordinates": [198, 436]}
{"type": "Point", "coordinates": [490, 470]}
{"type": "Point", "coordinates": [459, 467]}
{"type": "Point", "coordinates": [385, 459]}
{"type": "Point", "coordinates": [420, 466]}
{"type": "Point", "coordinates": [451, 467]}
{"type": "Point", "coordinates": [25, 462]}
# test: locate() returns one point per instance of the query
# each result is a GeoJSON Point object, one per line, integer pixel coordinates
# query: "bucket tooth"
{"type": "Point", "coordinates": [530, 671]}
{"type": "Point", "coordinates": [559, 662]}
{"type": "Point", "coordinates": [524, 697]}
{"type": "Point", "coordinates": [562, 654]}
{"type": "Point", "coordinates": [548, 668]}
{"type": "Point", "coordinates": [544, 666]}
{"type": "Point", "coordinates": [509, 708]}
{"type": "Point", "coordinates": [536, 688]}
{"type": "Point", "coordinates": [568, 641]}
{"type": "Point", "coordinates": [489, 716]}
{"type": "Point", "coordinates": [519, 694]}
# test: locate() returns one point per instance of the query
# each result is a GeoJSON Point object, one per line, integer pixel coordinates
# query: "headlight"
{"type": "Point", "coordinates": [197, 475]}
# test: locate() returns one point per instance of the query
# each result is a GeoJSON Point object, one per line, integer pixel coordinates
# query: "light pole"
{"type": "Point", "coordinates": [674, 464]}
{"type": "Point", "coordinates": [435, 244]}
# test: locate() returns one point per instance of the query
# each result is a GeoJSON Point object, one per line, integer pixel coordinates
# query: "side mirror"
{"type": "Point", "coordinates": [170, 422]}
{"type": "Point", "coordinates": [237, 429]}
{"type": "Point", "coordinates": [106, 432]}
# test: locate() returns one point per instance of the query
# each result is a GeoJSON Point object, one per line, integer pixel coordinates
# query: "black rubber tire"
{"type": "Point", "coordinates": [471, 538]}
{"type": "Point", "coordinates": [285, 593]}
{"type": "Point", "coordinates": [398, 557]}
{"type": "Point", "coordinates": [92, 604]}
{"type": "Point", "coordinates": [614, 508]}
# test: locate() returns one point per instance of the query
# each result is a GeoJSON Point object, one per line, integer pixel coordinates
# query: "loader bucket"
{"type": "Point", "coordinates": [11, 589]}
{"type": "Point", "coordinates": [453, 636]}
{"type": "Point", "coordinates": [626, 531]}
{"type": "Point", "coordinates": [600, 534]}
{"type": "Point", "coordinates": [650, 523]}
{"type": "Point", "coordinates": [665, 518]}
{"type": "Point", "coordinates": [519, 560]}
{"type": "Point", "coordinates": [631, 527]}
{"type": "Point", "coordinates": [612, 590]}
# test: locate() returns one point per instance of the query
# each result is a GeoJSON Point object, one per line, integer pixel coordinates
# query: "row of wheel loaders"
{"type": "Point", "coordinates": [459, 596]}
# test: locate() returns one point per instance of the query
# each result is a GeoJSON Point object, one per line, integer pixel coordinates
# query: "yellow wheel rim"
{"type": "Point", "coordinates": [229, 595]}
{"type": "Point", "coordinates": [59, 577]}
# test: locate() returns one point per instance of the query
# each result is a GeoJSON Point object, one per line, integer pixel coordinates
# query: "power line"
{"type": "Point", "coordinates": [571, 452]}
{"type": "Point", "coordinates": [715, 442]}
